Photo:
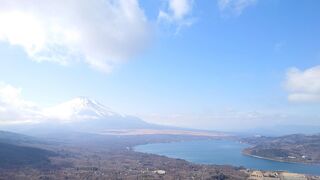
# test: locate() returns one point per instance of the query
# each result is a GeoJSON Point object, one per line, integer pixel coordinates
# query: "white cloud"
{"type": "Point", "coordinates": [235, 7]}
{"type": "Point", "coordinates": [177, 12]}
{"type": "Point", "coordinates": [13, 108]}
{"type": "Point", "coordinates": [303, 86]}
{"type": "Point", "coordinates": [101, 33]}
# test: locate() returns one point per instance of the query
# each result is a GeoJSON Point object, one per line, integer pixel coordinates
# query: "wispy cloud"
{"type": "Point", "coordinates": [279, 46]}
{"type": "Point", "coordinates": [177, 12]}
{"type": "Point", "coordinates": [15, 109]}
{"type": "Point", "coordinates": [234, 7]}
{"type": "Point", "coordinates": [303, 85]}
{"type": "Point", "coordinates": [99, 33]}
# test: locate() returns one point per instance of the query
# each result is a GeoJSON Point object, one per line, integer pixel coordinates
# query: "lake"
{"type": "Point", "coordinates": [222, 152]}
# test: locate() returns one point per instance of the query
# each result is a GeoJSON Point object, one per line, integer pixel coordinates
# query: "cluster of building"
{"type": "Point", "coordinates": [280, 175]}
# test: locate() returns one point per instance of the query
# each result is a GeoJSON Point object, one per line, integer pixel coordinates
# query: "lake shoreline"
{"type": "Point", "coordinates": [277, 160]}
{"type": "Point", "coordinates": [169, 149]}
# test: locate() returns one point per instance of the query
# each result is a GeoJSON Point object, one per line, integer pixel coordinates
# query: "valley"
{"type": "Point", "coordinates": [95, 156]}
{"type": "Point", "coordinates": [88, 156]}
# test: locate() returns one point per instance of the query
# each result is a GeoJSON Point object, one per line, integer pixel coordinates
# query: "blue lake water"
{"type": "Point", "coordinates": [222, 152]}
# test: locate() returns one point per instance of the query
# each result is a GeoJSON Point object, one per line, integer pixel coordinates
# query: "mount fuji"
{"type": "Point", "coordinates": [80, 108]}
{"type": "Point", "coordinates": [82, 114]}
{"type": "Point", "coordinates": [83, 117]}
{"type": "Point", "coordinates": [87, 114]}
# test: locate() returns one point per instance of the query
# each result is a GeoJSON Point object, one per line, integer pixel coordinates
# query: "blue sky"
{"type": "Point", "coordinates": [208, 67]}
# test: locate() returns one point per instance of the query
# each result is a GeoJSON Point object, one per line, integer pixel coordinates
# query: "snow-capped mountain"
{"type": "Point", "coordinates": [80, 108]}
{"type": "Point", "coordinates": [82, 115]}
{"type": "Point", "coordinates": [85, 114]}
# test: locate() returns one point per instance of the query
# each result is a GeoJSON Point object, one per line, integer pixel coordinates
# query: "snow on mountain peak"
{"type": "Point", "coordinates": [80, 108]}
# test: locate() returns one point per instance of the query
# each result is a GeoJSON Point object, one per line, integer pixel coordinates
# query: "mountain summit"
{"type": "Point", "coordinates": [82, 113]}
{"type": "Point", "coordinates": [80, 108]}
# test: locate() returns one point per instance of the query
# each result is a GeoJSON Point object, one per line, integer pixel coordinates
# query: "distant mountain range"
{"type": "Point", "coordinates": [281, 130]}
